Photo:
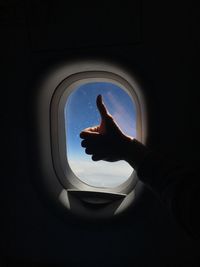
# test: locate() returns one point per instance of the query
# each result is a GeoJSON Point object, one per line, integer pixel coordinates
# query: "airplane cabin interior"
{"type": "Point", "coordinates": [148, 50]}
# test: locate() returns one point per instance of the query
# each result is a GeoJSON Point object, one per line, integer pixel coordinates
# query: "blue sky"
{"type": "Point", "coordinates": [81, 112]}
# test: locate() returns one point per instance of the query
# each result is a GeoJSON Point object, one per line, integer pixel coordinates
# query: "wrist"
{"type": "Point", "coordinates": [135, 152]}
{"type": "Point", "coordinates": [126, 147]}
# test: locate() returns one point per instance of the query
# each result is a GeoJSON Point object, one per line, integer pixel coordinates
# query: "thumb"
{"type": "Point", "coordinates": [101, 107]}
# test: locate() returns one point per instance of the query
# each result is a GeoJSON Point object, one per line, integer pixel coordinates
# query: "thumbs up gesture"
{"type": "Point", "coordinates": [105, 141]}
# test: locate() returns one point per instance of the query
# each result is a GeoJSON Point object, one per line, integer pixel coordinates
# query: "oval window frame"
{"type": "Point", "coordinates": [58, 137]}
{"type": "Point", "coordinates": [46, 106]}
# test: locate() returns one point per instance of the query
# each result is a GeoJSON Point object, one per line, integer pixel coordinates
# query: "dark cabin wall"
{"type": "Point", "coordinates": [158, 44]}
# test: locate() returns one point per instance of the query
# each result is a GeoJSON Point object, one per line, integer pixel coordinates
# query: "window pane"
{"type": "Point", "coordinates": [81, 112]}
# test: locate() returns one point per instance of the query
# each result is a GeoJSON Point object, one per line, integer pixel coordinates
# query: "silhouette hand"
{"type": "Point", "coordinates": [105, 141]}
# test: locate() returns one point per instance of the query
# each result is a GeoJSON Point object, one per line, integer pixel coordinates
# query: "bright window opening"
{"type": "Point", "coordinates": [80, 112]}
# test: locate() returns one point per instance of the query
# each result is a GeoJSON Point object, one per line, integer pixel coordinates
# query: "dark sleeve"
{"type": "Point", "coordinates": [177, 186]}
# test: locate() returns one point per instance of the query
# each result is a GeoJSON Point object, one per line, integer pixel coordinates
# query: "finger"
{"type": "Point", "coordinates": [101, 107]}
{"type": "Point", "coordinates": [88, 134]}
{"type": "Point", "coordinates": [97, 157]}
{"type": "Point", "coordinates": [93, 142]}
{"type": "Point", "coordinates": [90, 143]}
{"type": "Point", "coordinates": [92, 129]}
{"type": "Point", "coordinates": [84, 143]}
{"type": "Point", "coordinates": [89, 151]}
{"type": "Point", "coordinates": [96, 150]}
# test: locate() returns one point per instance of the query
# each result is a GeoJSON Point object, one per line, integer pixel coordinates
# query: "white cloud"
{"type": "Point", "coordinates": [101, 173]}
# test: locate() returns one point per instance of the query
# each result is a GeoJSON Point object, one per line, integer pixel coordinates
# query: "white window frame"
{"type": "Point", "coordinates": [53, 93]}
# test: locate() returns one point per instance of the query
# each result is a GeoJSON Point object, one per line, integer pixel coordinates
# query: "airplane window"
{"type": "Point", "coordinates": [66, 106]}
{"type": "Point", "coordinates": [80, 112]}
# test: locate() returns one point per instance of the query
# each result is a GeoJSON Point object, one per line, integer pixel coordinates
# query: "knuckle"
{"type": "Point", "coordinates": [94, 158]}
{"type": "Point", "coordinates": [83, 143]}
{"type": "Point", "coordinates": [88, 151]}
